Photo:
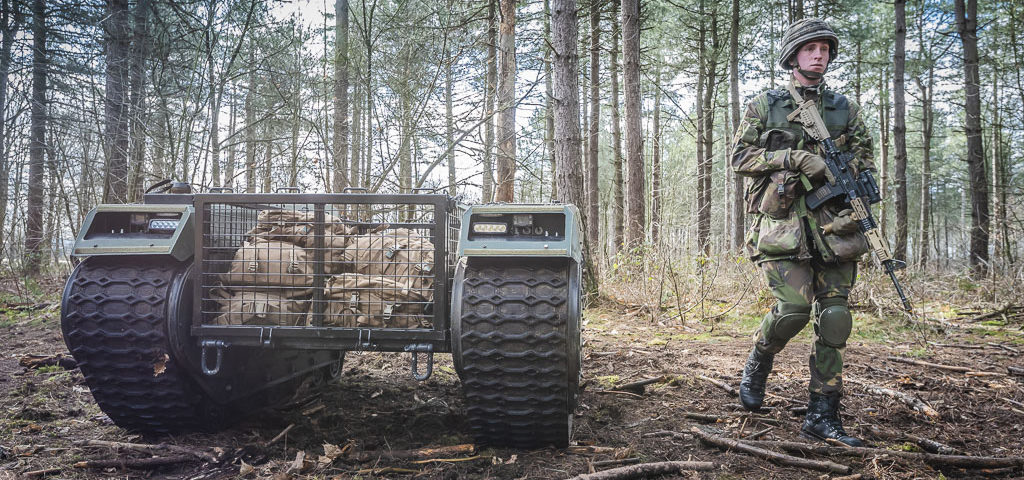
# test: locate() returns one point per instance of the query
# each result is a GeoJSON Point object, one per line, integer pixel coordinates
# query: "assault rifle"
{"type": "Point", "coordinates": [858, 191]}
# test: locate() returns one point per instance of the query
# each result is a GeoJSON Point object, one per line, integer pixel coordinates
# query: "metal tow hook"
{"type": "Point", "coordinates": [220, 345]}
{"type": "Point", "coordinates": [416, 349]}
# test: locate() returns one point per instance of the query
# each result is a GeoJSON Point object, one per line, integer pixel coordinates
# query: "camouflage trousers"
{"type": "Point", "coordinates": [806, 289]}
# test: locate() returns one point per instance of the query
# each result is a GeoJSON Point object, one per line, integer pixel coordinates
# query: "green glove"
{"type": "Point", "coordinates": [809, 164]}
{"type": "Point", "coordinates": [843, 224]}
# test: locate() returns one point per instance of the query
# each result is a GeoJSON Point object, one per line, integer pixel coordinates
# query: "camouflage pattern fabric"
{"type": "Point", "coordinates": [801, 283]}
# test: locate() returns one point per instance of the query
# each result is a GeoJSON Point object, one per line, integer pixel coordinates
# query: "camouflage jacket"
{"type": "Point", "coordinates": [782, 226]}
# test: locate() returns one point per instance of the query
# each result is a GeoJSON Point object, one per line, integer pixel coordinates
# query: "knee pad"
{"type": "Point", "coordinates": [789, 319]}
{"type": "Point", "coordinates": [834, 322]}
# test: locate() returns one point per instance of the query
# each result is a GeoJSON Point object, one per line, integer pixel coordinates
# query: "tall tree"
{"type": "Point", "coordinates": [341, 63]}
{"type": "Point", "coordinates": [899, 130]}
{"type": "Point", "coordinates": [656, 178]}
{"type": "Point", "coordinates": [635, 181]}
{"type": "Point", "coordinates": [593, 194]}
{"type": "Point", "coordinates": [566, 113]}
{"type": "Point", "coordinates": [967, 27]}
{"type": "Point", "coordinates": [10, 21]}
{"type": "Point", "coordinates": [618, 187]}
{"type": "Point", "coordinates": [549, 116]}
{"type": "Point", "coordinates": [116, 27]}
{"type": "Point", "coordinates": [734, 103]}
{"type": "Point", "coordinates": [489, 94]}
{"type": "Point", "coordinates": [507, 103]}
{"type": "Point", "coordinates": [137, 130]}
{"type": "Point", "coordinates": [37, 141]}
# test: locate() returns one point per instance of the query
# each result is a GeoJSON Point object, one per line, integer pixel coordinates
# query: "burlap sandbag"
{"type": "Point", "coordinates": [269, 264]}
{"type": "Point", "coordinates": [399, 254]}
{"type": "Point", "coordinates": [355, 300]}
{"type": "Point", "coordinates": [246, 307]}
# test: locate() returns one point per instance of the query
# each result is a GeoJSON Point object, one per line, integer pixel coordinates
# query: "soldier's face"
{"type": "Point", "coordinates": [813, 56]}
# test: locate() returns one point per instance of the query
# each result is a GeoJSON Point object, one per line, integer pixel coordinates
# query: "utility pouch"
{"type": "Point", "coordinates": [780, 193]}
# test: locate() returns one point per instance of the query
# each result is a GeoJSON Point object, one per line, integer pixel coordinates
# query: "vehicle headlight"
{"type": "Point", "coordinates": [163, 225]}
{"type": "Point", "coordinates": [489, 227]}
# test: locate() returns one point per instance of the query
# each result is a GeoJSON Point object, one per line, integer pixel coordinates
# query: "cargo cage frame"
{"type": "Point", "coordinates": [444, 234]}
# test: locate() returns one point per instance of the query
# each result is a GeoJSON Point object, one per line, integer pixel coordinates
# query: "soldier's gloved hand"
{"type": "Point", "coordinates": [809, 164]}
{"type": "Point", "coordinates": [843, 224]}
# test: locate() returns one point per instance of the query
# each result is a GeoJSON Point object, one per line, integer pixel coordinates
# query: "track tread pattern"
{"type": "Point", "coordinates": [514, 354]}
{"type": "Point", "coordinates": [115, 324]}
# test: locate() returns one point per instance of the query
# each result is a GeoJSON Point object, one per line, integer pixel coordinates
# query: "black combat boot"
{"type": "Point", "coordinates": [755, 375]}
{"type": "Point", "coordinates": [823, 421]}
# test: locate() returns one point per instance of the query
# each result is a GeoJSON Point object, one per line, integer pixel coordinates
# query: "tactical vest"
{"type": "Point", "coordinates": [833, 107]}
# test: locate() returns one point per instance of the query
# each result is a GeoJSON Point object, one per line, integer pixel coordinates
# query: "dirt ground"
{"type": "Point", "coordinates": [376, 407]}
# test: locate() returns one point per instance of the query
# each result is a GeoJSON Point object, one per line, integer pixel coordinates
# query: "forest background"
{"type": "Point", "coordinates": [626, 109]}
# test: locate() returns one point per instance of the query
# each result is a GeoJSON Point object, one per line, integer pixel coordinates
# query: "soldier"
{"type": "Point", "coordinates": [809, 257]}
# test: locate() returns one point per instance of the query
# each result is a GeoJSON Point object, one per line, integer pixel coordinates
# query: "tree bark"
{"type": "Point", "coordinates": [489, 94]}
{"type": "Point", "coordinates": [967, 27]}
{"type": "Point", "coordinates": [593, 194]}
{"type": "Point", "coordinates": [116, 28]}
{"type": "Point", "coordinates": [618, 185]}
{"type": "Point", "coordinates": [566, 113]}
{"type": "Point", "coordinates": [635, 181]}
{"type": "Point", "coordinates": [900, 131]}
{"type": "Point", "coordinates": [549, 116]}
{"type": "Point", "coordinates": [926, 88]}
{"type": "Point", "coordinates": [341, 125]}
{"type": "Point", "coordinates": [506, 103]}
{"type": "Point", "coordinates": [656, 181]}
{"type": "Point", "coordinates": [37, 142]}
{"type": "Point", "coordinates": [250, 127]}
{"type": "Point", "coordinates": [10, 20]}
{"type": "Point", "coordinates": [734, 101]}
{"type": "Point", "coordinates": [137, 99]}
{"type": "Point", "coordinates": [883, 136]}
{"type": "Point", "coordinates": [449, 127]}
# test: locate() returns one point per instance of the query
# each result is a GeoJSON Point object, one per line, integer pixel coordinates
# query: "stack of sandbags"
{"type": "Point", "coordinates": [270, 279]}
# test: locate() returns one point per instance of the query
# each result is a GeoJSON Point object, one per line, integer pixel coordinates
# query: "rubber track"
{"type": "Point", "coordinates": [514, 350]}
{"type": "Point", "coordinates": [115, 324]}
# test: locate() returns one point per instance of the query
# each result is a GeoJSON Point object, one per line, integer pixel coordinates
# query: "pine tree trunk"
{"type": "Point", "coordinates": [593, 194]}
{"type": "Point", "coordinates": [250, 127]}
{"type": "Point", "coordinates": [734, 103]}
{"type": "Point", "coordinates": [356, 135]}
{"type": "Point", "coordinates": [618, 185]}
{"type": "Point", "coordinates": [449, 126]}
{"type": "Point", "coordinates": [37, 142]}
{"type": "Point", "coordinates": [229, 166]}
{"type": "Point", "coordinates": [656, 180]}
{"type": "Point", "coordinates": [927, 122]}
{"type": "Point", "coordinates": [967, 27]}
{"type": "Point", "coordinates": [10, 21]}
{"type": "Point", "coordinates": [116, 29]}
{"type": "Point", "coordinates": [137, 99]}
{"type": "Point", "coordinates": [883, 136]}
{"type": "Point", "coordinates": [506, 103]}
{"type": "Point", "coordinates": [211, 45]}
{"type": "Point", "coordinates": [490, 90]}
{"type": "Point", "coordinates": [341, 63]}
{"type": "Point", "coordinates": [549, 116]}
{"type": "Point", "coordinates": [900, 132]}
{"type": "Point", "coordinates": [635, 181]}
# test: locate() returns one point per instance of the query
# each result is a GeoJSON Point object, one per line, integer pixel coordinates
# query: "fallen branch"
{"type": "Point", "coordinates": [428, 452]}
{"type": "Point", "coordinates": [42, 473]}
{"type": "Point", "coordinates": [645, 470]}
{"type": "Point", "coordinates": [929, 445]}
{"type": "Point", "coordinates": [449, 460]}
{"type": "Point", "coordinates": [758, 434]}
{"type": "Point", "coordinates": [1015, 370]}
{"type": "Point", "coordinates": [637, 387]}
{"type": "Point", "coordinates": [280, 435]}
{"type": "Point", "coordinates": [911, 401]}
{"type": "Point", "coordinates": [152, 462]}
{"type": "Point", "coordinates": [911, 361]}
{"type": "Point", "coordinates": [617, 392]}
{"type": "Point", "coordinates": [720, 384]}
{"type": "Point", "coordinates": [590, 449]}
{"type": "Point", "coordinates": [617, 461]}
{"type": "Point", "coordinates": [40, 361]}
{"type": "Point", "coordinates": [1004, 347]}
{"type": "Point", "coordinates": [152, 449]}
{"type": "Point", "coordinates": [963, 461]}
{"type": "Point", "coordinates": [775, 457]}
{"type": "Point", "coordinates": [382, 470]}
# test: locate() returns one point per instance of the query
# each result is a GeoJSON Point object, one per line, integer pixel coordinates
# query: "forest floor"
{"type": "Point", "coordinates": [376, 407]}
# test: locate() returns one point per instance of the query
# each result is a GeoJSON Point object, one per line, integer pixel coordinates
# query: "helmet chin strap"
{"type": "Point", "coordinates": [811, 75]}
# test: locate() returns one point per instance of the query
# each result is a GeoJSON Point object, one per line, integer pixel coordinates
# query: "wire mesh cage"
{"type": "Point", "coordinates": [341, 260]}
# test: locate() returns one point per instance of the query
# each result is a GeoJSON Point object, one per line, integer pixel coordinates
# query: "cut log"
{"type": "Point", "coordinates": [775, 457]}
{"type": "Point", "coordinates": [40, 361]}
{"type": "Point", "coordinates": [637, 387]}
{"type": "Point", "coordinates": [645, 470]}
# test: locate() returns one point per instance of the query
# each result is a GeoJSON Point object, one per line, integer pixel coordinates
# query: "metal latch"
{"type": "Point", "coordinates": [416, 349]}
{"type": "Point", "coordinates": [220, 345]}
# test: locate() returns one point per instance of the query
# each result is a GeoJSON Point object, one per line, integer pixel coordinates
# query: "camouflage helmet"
{"type": "Point", "coordinates": [803, 31]}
